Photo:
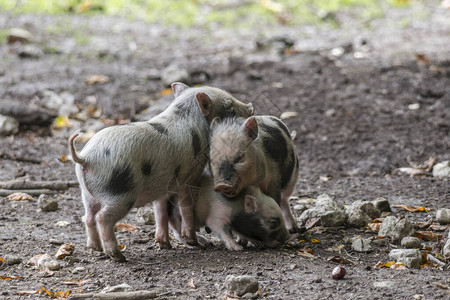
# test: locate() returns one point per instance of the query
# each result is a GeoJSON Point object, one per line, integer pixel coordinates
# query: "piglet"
{"type": "Point", "coordinates": [255, 151]}
{"type": "Point", "coordinates": [126, 166]}
{"type": "Point", "coordinates": [251, 215]}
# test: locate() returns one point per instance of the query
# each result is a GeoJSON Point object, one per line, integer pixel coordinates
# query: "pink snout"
{"type": "Point", "coordinates": [226, 189]}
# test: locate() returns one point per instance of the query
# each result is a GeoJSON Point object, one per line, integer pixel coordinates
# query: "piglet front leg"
{"type": "Point", "coordinates": [162, 223]}
{"type": "Point", "coordinates": [187, 195]}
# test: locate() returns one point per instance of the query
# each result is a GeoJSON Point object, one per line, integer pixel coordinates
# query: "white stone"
{"type": "Point", "coordinates": [411, 242]}
{"type": "Point", "coordinates": [174, 73]}
{"type": "Point", "coordinates": [8, 125]}
{"type": "Point", "coordinates": [329, 212]}
{"type": "Point", "coordinates": [396, 229]}
{"type": "Point", "coordinates": [446, 249]}
{"type": "Point", "coordinates": [410, 257]}
{"type": "Point", "coordinates": [123, 287]}
{"type": "Point", "coordinates": [442, 170]}
{"type": "Point", "coordinates": [443, 216]}
{"type": "Point", "coordinates": [361, 245]}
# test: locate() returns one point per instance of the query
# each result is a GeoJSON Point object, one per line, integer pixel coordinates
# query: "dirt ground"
{"type": "Point", "coordinates": [360, 115]}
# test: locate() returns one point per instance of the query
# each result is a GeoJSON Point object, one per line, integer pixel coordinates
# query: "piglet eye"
{"type": "Point", "coordinates": [240, 158]}
{"type": "Point", "coordinates": [274, 223]}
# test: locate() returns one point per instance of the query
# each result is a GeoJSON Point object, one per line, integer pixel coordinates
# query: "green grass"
{"type": "Point", "coordinates": [202, 12]}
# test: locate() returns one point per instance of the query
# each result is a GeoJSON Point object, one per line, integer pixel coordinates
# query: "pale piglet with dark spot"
{"type": "Point", "coordinates": [131, 165]}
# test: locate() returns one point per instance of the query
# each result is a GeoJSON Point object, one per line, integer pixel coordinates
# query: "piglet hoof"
{"type": "Point", "coordinates": [203, 242]}
{"type": "Point", "coordinates": [117, 255]}
{"type": "Point", "coordinates": [235, 247]}
{"type": "Point", "coordinates": [164, 245]}
{"type": "Point", "coordinates": [94, 247]}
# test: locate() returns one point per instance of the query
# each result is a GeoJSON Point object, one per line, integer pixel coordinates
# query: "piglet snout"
{"type": "Point", "coordinates": [226, 189]}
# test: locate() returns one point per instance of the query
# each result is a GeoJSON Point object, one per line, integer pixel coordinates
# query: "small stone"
{"type": "Point", "coordinates": [240, 285]}
{"type": "Point", "coordinates": [411, 242]}
{"type": "Point", "coordinates": [333, 218]}
{"type": "Point", "coordinates": [62, 223]}
{"type": "Point", "coordinates": [442, 170]}
{"type": "Point", "coordinates": [384, 284]}
{"type": "Point", "coordinates": [123, 287]}
{"type": "Point", "coordinates": [443, 216]}
{"type": "Point", "coordinates": [30, 51]}
{"type": "Point", "coordinates": [51, 100]}
{"type": "Point", "coordinates": [446, 249]}
{"type": "Point", "coordinates": [357, 218]}
{"type": "Point", "coordinates": [174, 73]}
{"type": "Point", "coordinates": [396, 229]}
{"type": "Point", "coordinates": [292, 266]}
{"type": "Point", "coordinates": [8, 125]}
{"type": "Point", "coordinates": [52, 265]}
{"type": "Point", "coordinates": [381, 204]}
{"type": "Point", "coordinates": [329, 212]}
{"type": "Point", "coordinates": [361, 245]}
{"type": "Point", "coordinates": [47, 204]}
{"type": "Point", "coordinates": [12, 260]}
{"type": "Point", "coordinates": [18, 35]}
{"type": "Point", "coordinates": [78, 270]}
{"type": "Point", "coordinates": [54, 241]}
{"type": "Point", "coordinates": [410, 257]}
{"type": "Point", "coordinates": [145, 215]}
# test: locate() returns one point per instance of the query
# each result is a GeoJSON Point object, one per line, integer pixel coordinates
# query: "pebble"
{"type": "Point", "coordinates": [19, 35]}
{"type": "Point", "coordinates": [446, 249]}
{"type": "Point", "coordinates": [383, 284]}
{"type": "Point", "coordinates": [54, 241]}
{"type": "Point", "coordinates": [443, 216]}
{"type": "Point", "coordinates": [12, 260]}
{"type": "Point", "coordinates": [411, 242]}
{"type": "Point", "coordinates": [78, 270]}
{"type": "Point", "coordinates": [357, 218]}
{"type": "Point", "coordinates": [442, 169]}
{"type": "Point", "coordinates": [8, 125]}
{"type": "Point", "coordinates": [382, 204]}
{"type": "Point", "coordinates": [30, 51]}
{"type": "Point", "coordinates": [47, 204]}
{"type": "Point", "coordinates": [395, 228]}
{"type": "Point", "coordinates": [174, 73]}
{"type": "Point", "coordinates": [240, 285]}
{"type": "Point", "coordinates": [361, 245]}
{"type": "Point", "coordinates": [123, 287]}
{"type": "Point", "coordinates": [52, 265]}
{"type": "Point", "coordinates": [329, 212]}
{"type": "Point", "coordinates": [410, 257]}
{"type": "Point", "coordinates": [62, 223]}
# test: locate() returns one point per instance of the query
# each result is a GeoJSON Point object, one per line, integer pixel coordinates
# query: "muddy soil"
{"type": "Point", "coordinates": [381, 97]}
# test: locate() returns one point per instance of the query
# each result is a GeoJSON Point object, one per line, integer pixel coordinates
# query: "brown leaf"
{"type": "Point", "coordinates": [9, 278]}
{"type": "Point", "coordinates": [428, 235]}
{"type": "Point", "coordinates": [75, 281]}
{"type": "Point", "coordinates": [441, 285]}
{"type": "Point", "coordinates": [165, 92]}
{"type": "Point", "coordinates": [125, 227]}
{"type": "Point", "coordinates": [20, 197]}
{"type": "Point", "coordinates": [98, 78]}
{"type": "Point", "coordinates": [60, 294]}
{"type": "Point", "coordinates": [306, 252]}
{"type": "Point", "coordinates": [374, 226]}
{"type": "Point", "coordinates": [413, 208]}
{"type": "Point", "coordinates": [437, 227]}
{"type": "Point", "coordinates": [64, 250]}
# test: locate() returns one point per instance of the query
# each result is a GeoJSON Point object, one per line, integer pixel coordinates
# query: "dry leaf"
{"type": "Point", "coordinates": [441, 285]}
{"type": "Point", "coordinates": [2, 260]}
{"type": "Point", "coordinates": [341, 259]}
{"type": "Point", "coordinates": [306, 201]}
{"type": "Point", "coordinates": [306, 252]}
{"type": "Point", "coordinates": [378, 220]}
{"type": "Point", "coordinates": [422, 59]}
{"type": "Point", "coordinates": [61, 122]}
{"type": "Point", "coordinates": [310, 223]}
{"type": "Point", "coordinates": [63, 158]}
{"type": "Point", "coordinates": [38, 259]}
{"type": "Point", "coordinates": [165, 92]}
{"type": "Point", "coordinates": [191, 283]}
{"type": "Point", "coordinates": [316, 241]}
{"type": "Point", "coordinates": [428, 235]}
{"type": "Point", "coordinates": [64, 250]}
{"type": "Point", "coordinates": [8, 278]}
{"type": "Point", "coordinates": [75, 281]}
{"type": "Point", "coordinates": [20, 197]}
{"type": "Point", "coordinates": [413, 208]}
{"type": "Point", "coordinates": [125, 227]}
{"type": "Point", "coordinates": [437, 227]}
{"type": "Point", "coordinates": [385, 265]}
{"type": "Point", "coordinates": [28, 292]}
{"type": "Point", "coordinates": [288, 114]}
{"type": "Point", "coordinates": [98, 78]}
{"type": "Point", "coordinates": [399, 266]}
{"type": "Point", "coordinates": [60, 294]}
{"type": "Point", "coordinates": [374, 226]}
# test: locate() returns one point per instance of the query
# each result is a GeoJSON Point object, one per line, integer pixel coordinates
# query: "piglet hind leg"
{"type": "Point", "coordinates": [106, 218]}
{"type": "Point", "coordinates": [91, 209]}
{"type": "Point", "coordinates": [291, 223]}
{"type": "Point", "coordinates": [162, 223]}
{"type": "Point", "coordinates": [187, 195]}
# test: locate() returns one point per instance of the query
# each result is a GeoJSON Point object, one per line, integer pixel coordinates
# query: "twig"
{"type": "Point", "coordinates": [135, 295]}
{"type": "Point", "coordinates": [435, 260]}
{"type": "Point", "coordinates": [22, 159]}
{"type": "Point", "coordinates": [23, 184]}
{"type": "Point", "coordinates": [4, 193]}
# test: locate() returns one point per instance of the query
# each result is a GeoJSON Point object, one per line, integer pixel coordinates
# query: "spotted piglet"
{"type": "Point", "coordinates": [255, 151]}
{"type": "Point", "coordinates": [131, 165]}
{"type": "Point", "coordinates": [251, 215]}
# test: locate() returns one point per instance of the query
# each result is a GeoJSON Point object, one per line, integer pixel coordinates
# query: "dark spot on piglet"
{"type": "Point", "coordinates": [282, 126]}
{"type": "Point", "coordinates": [159, 127]}
{"type": "Point", "coordinates": [177, 171]}
{"type": "Point", "coordinates": [249, 225]}
{"type": "Point", "coordinates": [227, 170]}
{"type": "Point", "coordinates": [146, 169]}
{"type": "Point", "coordinates": [107, 152]}
{"type": "Point", "coordinates": [121, 181]}
{"type": "Point", "coordinates": [196, 143]}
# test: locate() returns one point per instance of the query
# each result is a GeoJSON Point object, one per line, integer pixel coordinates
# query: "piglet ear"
{"type": "Point", "coordinates": [214, 123]}
{"type": "Point", "coordinates": [250, 204]}
{"type": "Point", "coordinates": [205, 103]}
{"type": "Point", "coordinates": [251, 128]}
{"type": "Point", "coordinates": [178, 88]}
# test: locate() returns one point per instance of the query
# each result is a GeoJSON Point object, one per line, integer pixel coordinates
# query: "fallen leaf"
{"type": "Point", "coordinates": [306, 201]}
{"type": "Point", "coordinates": [61, 122]}
{"type": "Point", "coordinates": [165, 92]}
{"type": "Point", "coordinates": [316, 241]}
{"type": "Point", "coordinates": [60, 294]}
{"type": "Point", "coordinates": [288, 115]}
{"type": "Point", "coordinates": [378, 220]}
{"type": "Point", "coordinates": [425, 225]}
{"type": "Point", "coordinates": [341, 259]}
{"type": "Point", "coordinates": [385, 265]}
{"type": "Point", "coordinates": [441, 285]}
{"type": "Point", "coordinates": [428, 235]}
{"type": "Point", "coordinates": [9, 278]}
{"type": "Point", "coordinates": [64, 250]}
{"type": "Point", "coordinates": [436, 227]}
{"type": "Point", "coordinates": [75, 281]}
{"type": "Point", "coordinates": [28, 292]}
{"type": "Point", "coordinates": [125, 227]}
{"type": "Point", "coordinates": [310, 223]}
{"type": "Point", "coordinates": [20, 197]}
{"type": "Point", "coordinates": [98, 78]}
{"type": "Point", "coordinates": [374, 226]}
{"type": "Point", "coordinates": [191, 283]}
{"type": "Point", "coordinates": [2, 260]}
{"type": "Point", "coordinates": [399, 266]}
{"type": "Point", "coordinates": [422, 59]}
{"type": "Point", "coordinates": [306, 252]}
{"type": "Point", "coordinates": [413, 208]}
{"type": "Point", "coordinates": [63, 158]}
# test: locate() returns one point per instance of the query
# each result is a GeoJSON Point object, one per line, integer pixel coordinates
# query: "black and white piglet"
{"type": "Point", "coordinates": [130, 165]}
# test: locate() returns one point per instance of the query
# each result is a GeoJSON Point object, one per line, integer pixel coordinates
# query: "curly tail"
{"type": "Point", "coordinates": [75, 156]}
